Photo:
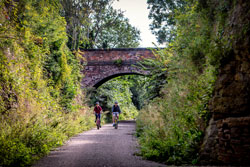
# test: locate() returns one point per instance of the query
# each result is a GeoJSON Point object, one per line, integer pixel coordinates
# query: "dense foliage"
{"type": "Point", "coordinates": [171, 127]}
{"type": "Point", "coordinates": [40, 93]}
{"type": "Point", "coordinates": [131, 91]}
{"type": "Point", "coordinates": [117, 89]}
{"type": "Point", "coordinates": [96, 24]}
{"type": "Point", "coordinates": [42, 103]}
{"type": "Point", "coordinates": [163, 13]}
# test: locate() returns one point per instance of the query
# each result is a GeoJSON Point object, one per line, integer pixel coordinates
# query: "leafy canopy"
{"type": "Point", "coordinates": [163, 13]}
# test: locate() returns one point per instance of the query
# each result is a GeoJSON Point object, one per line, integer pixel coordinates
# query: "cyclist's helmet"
{"type": "Point", "coordinates": [97, 103]}
{"type": "Point", "coordinates": [116, 102]}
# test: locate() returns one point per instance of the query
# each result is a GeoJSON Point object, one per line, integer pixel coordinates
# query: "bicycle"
{"type": "Point", "coordinates": [98, 123]}
{"type": "Point", "coordinates": [116, 121]}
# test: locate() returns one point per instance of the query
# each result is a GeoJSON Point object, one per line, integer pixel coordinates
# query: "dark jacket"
{"type": "Point", "coordinates": [116, 109]}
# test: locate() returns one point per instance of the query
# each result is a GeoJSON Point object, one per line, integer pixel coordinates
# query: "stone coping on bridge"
{"type": "Point", "coordinates": [122, 49]}
{"type": "Point", "coordinates": [104, 63]}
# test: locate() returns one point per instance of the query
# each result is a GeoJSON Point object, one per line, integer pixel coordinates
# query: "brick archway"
{"type": "Point", "coordinates": [105, 64]}
{"type": "Point", "coordinates": [99, 83]}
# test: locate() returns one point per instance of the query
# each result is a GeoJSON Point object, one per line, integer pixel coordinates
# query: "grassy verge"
{"type": "Point", "coordinates": [41, 101]}
{"type": "Point", "coordinates": [25, 137]}
{"type": "Point", "coordinates": [171, 127]}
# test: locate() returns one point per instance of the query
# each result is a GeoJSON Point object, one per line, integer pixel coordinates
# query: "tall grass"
{"type": "Point", "coordinates": [32, 122]}
{"type": "Point", "coordinates": [38, 112]}
{"type": "Point", "coordinates": [26, 137]}
{"type": "Point", "coordinates": [171, 127]}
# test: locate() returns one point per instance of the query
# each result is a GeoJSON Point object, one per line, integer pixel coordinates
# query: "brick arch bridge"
{"type": "Point", "coordinates": [105, 64]}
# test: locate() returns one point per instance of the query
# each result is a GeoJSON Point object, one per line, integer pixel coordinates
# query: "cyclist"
{"type": "Point", "coordinates": [97, 112]}
{"type": "Point", "coordinates": [115, 111]}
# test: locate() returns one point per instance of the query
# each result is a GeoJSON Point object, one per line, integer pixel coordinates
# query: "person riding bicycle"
{"type": "Point", "coordinates": [97, 112]}
{"type": "Point", "coordinates": [115, 111]}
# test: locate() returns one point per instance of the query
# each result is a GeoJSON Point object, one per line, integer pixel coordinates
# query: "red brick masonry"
{"type": "Point", "coordinates": [104, 64]}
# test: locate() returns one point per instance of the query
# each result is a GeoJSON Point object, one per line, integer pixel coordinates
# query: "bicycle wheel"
{"type": "Point", "coordinates": [116, 123]}
{"type": "Point", "coordinates": [98, 124]}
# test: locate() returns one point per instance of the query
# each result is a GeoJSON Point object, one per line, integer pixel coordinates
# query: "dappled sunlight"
{"type": "Point", "coordinates": [104, 147]}
{"type": "Point", "coordinates": [81, 142]}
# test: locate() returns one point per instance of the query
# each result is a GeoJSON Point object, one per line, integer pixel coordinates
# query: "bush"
{"type": "Point", "coordinates": [171, 127]}
{"type": "Point", "coordinates": [27, 139]}
{"type": "Point", "coordinates": [41, 104]}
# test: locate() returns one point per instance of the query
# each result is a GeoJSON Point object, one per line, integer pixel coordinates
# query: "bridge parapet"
{"type": "Point", "coordinates": [104, 64]}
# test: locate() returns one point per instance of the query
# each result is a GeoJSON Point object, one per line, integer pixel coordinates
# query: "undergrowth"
{"type": "Point", "coordinates": [171, 127]}
{"type": "Point", "coordinates": [41, 102]}
{"type": "Point", "coordinates": [117, 89]}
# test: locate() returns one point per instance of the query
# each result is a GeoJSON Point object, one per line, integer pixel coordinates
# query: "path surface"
{"type": "Point", "coordinates": [107, 147]}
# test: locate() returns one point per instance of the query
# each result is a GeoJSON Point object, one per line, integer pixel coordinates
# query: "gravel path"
{"type": "Point", "coordinates": [107, 147]}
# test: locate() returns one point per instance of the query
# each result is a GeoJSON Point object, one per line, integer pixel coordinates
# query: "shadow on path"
{"type": "Point", "coordinates": [107, 147]}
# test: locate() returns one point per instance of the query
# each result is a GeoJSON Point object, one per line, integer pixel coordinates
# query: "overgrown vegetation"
{"type": "Point", "coordinates": [96, 24]}
{"type": "Point", "coordinates": [41, 101]}
{"type": "Point", "coordinates": [171, 127]}
{"type": "Point", "coordinates": [117, 89]}
{"type": "Point", "coordinates": [42, 104]}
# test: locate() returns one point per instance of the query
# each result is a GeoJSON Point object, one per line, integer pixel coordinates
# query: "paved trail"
{"type": "Point", "coordinates": [107, 147]}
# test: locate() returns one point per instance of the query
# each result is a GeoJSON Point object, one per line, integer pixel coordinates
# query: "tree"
{"type": "Point", "coordinates": [78, 17]}
{"type": "Point", "coordinates": [163, 13]}
{"type": "Point", "coordinates": [116, 31]}
{"type": "Point", "coordinates": [96, 24]}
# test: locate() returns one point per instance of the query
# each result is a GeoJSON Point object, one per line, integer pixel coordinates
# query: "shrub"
{"type": "Point", "coordinates": [41, 105]}
{"type": "Point", "coordinates": [171, 127]}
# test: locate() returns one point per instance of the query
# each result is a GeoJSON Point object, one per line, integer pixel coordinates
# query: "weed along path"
{"type": "Point", "coordinates": [107, 147]}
